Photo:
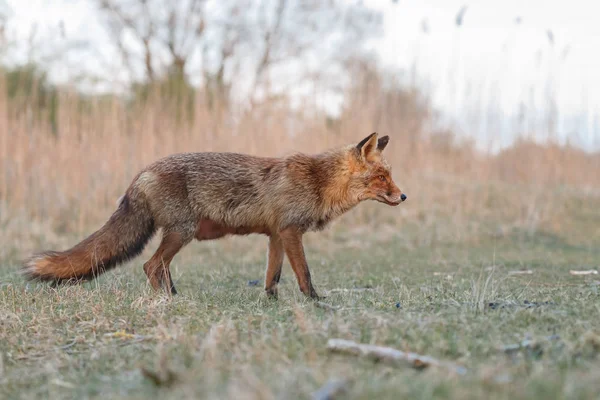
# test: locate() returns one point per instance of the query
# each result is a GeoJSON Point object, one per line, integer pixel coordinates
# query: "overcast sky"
{"type": "Point", "coordinates": [503, 50]}
{"type": "Point", "coordinates": [490, 60]}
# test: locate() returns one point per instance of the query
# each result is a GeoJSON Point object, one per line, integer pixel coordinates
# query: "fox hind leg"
{"type": "Point", "coordinates": [274, 263]}
{"type": "Point", "coordinates": [157, 268]}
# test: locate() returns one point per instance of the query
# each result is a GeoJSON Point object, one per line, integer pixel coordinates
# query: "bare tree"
{"type": "Point", "coordinates": [143, 30]}
{"type": "Point", "coordinates": [233, 42]}
{"type": "Point", "coordinates": [314, 38]}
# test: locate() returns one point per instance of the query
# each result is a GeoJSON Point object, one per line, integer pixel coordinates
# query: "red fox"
{"type": "Point", "coordinates": [209, 195]}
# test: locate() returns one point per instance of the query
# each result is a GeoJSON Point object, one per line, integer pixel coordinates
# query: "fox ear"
{"type": "Point", "coordinates": [382, 142]}
{"type": "Point", "coordinates": [366, 146]}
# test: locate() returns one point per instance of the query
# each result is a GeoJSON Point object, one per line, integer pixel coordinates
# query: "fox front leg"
{"type": "Point", "coordinates": [292, 244]}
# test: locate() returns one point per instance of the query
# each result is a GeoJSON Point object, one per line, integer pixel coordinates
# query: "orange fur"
{"type": "Point", "coordinates": [209, 195]}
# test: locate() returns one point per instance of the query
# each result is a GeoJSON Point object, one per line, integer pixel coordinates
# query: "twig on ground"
{"type": "Point", "coordinates": [68, 345]}
{"type": "Point", "coordinates": [138, 340]}
{"type": "Point", "coordinates": [390, 355]}
{"type": "Point", "coordinates": [587, 272]}
{"type": "Point", "coordinates": [61, 383]}
{"type": "Point", "coordinates": [33, 356]}
{"type": "Point", "coordinates": [521, 272]}
{"type": "Point", "coordinates": [346, 290]}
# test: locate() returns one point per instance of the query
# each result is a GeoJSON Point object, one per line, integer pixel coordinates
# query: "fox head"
{"type": "Point", "coordinates": [371, 175]}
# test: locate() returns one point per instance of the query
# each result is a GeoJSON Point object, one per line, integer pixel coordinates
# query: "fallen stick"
{"type": "Point", "coordinates": [588, 272]}
{"type": "Point", "coordinates": [332, 389]}
{"type": "Point", "coordinates": [346, 290]}
{"type": "Point", "coordinates": [521, 272]}
{"type": "Point", "coordinates": [68, 345]}
{"type": "Point", "coordinates": [390, 355]}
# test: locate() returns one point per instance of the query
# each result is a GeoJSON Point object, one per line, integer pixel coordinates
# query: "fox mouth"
{"type": "Point", "coordinates": [389, 201]}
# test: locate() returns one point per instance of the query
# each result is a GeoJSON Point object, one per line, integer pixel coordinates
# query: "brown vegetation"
{"type": "Point", "coordinates": [68, 176]}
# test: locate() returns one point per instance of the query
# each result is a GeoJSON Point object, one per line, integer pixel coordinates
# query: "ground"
{"type": "Point", "coordinates": [416, 286]}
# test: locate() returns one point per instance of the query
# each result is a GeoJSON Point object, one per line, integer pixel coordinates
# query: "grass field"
{"type": "Point", "coordinates": [449, 296]}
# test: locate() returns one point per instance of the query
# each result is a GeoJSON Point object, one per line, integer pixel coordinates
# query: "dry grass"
{"type": "Point", "coordinates": [53, 184]}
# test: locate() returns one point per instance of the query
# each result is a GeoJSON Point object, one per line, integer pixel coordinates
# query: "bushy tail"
{"type": "Point", "coordinates": [122, 237]}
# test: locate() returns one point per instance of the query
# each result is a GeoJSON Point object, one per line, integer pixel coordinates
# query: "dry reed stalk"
{"type": "Point", "coordinates": [72, 179]}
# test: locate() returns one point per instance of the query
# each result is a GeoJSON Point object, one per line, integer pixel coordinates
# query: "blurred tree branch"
{"type": "Point", "coordinates": [229, 41]}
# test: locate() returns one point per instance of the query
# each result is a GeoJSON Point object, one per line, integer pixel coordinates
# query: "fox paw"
{"type": "Point", "coordinates": [272, 293]}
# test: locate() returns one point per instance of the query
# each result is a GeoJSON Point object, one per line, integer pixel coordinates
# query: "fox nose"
{"type": "Point", "coordinates": [403, 197]}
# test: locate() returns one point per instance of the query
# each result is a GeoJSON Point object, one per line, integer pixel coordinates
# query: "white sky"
{"type": "Point", "coordinates": [502, 60]}
{"type": "Point", "coordinates": [488, 62]}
